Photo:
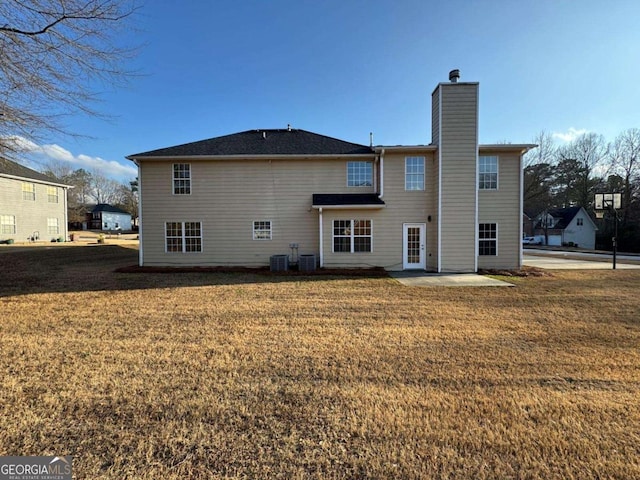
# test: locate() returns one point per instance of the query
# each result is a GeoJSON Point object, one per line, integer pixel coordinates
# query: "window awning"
{"type": "Point", "coordinates": [347, 201]}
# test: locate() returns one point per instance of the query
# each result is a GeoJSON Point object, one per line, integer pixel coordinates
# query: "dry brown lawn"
{"type": "Point", "coordinates": [237, 375]}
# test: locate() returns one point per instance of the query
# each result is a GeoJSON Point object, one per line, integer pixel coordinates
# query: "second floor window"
{"type": "Point", "coordinates": [359, 174]}
{"type": "Point", "coordinates": [488, 173]}
{"type": "Point", "coordinates": [414, 173]}
{"type": "Point", "coordinates": [182, 179]}
{"type": "Point", "coordinates": [52, 194]}
{"type": "Point", "coordinates": [28, 191]}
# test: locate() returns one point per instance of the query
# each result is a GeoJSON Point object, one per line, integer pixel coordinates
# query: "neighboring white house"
{"type": "Point", "coordinates": [107, 217]}
{"type": "Point", "coordinates": [566, 226]}
{"type": "Point", "coordinates": [453, 205]}
{"type": "Point", "coordinates": [33, 206]}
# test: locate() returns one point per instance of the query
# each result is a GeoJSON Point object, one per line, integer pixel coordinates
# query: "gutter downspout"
{"type": "Point", "coordinates": [381, 194]}
{"type": "Point", "coordinates": [520, 257]}
{"type": "Point", "coordinates": [321, 239]}
{"type": "Point", "coordinates": [66, 215]}
{"type": "Point", "coordinates": [140, 243]}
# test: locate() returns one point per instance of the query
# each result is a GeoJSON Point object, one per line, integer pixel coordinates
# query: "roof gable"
{"type": "Point", "coordinates": [13, 169]}
{"type": "Point", "coordinates": [261, 142]}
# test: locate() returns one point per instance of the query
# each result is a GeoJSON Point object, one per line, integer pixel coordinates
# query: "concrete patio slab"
{"type": "Point", "coordinates": [424, 279]}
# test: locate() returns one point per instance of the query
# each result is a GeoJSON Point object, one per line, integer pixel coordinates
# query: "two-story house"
{"type": "Point", "coordinates": [33, 206]}
{"type": "Point", "coordinates": [450, 206]}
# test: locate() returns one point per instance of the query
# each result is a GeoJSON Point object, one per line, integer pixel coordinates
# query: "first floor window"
{"type": "Point", "coordinates": [488, 173]}
{"type": "Point", "coordinates": [8, 224]}
{"type": "Point", "coordinates": [262, 230]}
{"type": "Point", "coordinates": [352, 236]}
{"type": "Point", "coordinates": [52, 194]}
{"type": "Point", "coordinates": [359, 174]}
{"type": "Point", "coordinates": [414, 173]}
{"type": "Point", "coordinates": [52, 226]}
{"type": "Point", "coordinates": [182, 179]}
{"type": "Point", "coordinates": [28, 191]}
{"type": "Point", "coordinates": [183, 237]}
{"type": "Point", "coordinates": [488, 238]}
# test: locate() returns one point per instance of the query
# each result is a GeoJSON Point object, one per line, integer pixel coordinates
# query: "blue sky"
{"type": "Point", "coordinates": [345, 68]}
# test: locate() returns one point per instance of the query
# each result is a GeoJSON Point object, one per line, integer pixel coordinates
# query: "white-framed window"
{"type": "Point", "coordinates": [52, 194]}
{"type": "Point", "coordinates": [183, 237]}
{"type": "Point", "coordinates": [488, 173]}
{"type": "Point", "coordinates": [53, 226]}
{"type": "Point", "coordinates": [262, 230]}
{"type": "Point", "coordinates": [414, 173]}
{"type": "Point", "coordinates": [182, 179]}
{"type": "Point", "coordinates": [352, 236]}
{"type": "Point", "coordinates": [488, 239]}
{"type": "Point", "coordinates": [359, 174]}
{"type": "Point", "coordinates": [580, 221]}
{"type": "Point", "coordinates": [8, 224]}
{"type": "Point", "coordinates": [28, 191]}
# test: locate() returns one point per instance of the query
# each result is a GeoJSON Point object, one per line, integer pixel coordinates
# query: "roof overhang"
{"type": "Point", "coordinates": [136, 158]}
{"type": "Point", "coordinates": [406, 148]}
{"type": "Point", "coordinates": [508, 147]}
{"type": "Point", "coordinates": [35, 180]}
{"type": "Point", "coordinates": [347, 201]}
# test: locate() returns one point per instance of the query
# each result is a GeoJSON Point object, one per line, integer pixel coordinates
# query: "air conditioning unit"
{"type": "Point", "coordinates": [279, 263]}
{"type": "Point", "coordinates": [307, 263]}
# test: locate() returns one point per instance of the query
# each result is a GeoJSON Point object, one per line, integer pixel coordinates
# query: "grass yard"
{"type": "Point", "coordinates": [210, 375]}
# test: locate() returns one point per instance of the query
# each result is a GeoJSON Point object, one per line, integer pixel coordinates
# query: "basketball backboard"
{"type": "Point", "coordinates": [607, 201]}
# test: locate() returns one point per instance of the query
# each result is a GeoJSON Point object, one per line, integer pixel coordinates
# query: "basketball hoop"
{"type": "Point", "coordinates": [611, 202]}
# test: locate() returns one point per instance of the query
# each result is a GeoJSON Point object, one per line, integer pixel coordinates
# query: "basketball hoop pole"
{"type": "Point", "coordinates": [615, 236]}
{"type": "Point", "coordinates": [609, 202]}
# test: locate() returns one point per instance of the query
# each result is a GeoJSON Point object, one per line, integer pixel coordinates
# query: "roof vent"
{"type": "Point", "coordinates": [264, 134]}
{"type": "Point", "coordinates": [454, 76]}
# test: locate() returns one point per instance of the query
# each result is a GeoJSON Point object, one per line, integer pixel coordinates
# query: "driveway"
{"type": "Point", "coordinates": [556, 260]}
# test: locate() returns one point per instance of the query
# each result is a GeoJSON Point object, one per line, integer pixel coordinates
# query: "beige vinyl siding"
{"type": "Point", "coordinates": [31, 215]}
{"type": "Point", "coordinates": [435, 116]}
{"type": "Point", "coordinates": [432, 227]}
{"type": "Point", "coordinates": [387, 224]}
{"type": "Point", "coordinates": [502, 206]}
{"type": "Point", "coordinates": [228, 196]}
{"type": "Point", "coordinates": [459, 148]}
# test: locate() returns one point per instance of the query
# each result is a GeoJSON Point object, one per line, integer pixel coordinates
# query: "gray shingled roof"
{"type": "Point", "coordinates": [7, 167]}
{"type": "Point", "coordinates": [262, 142]}
{"type": "Point", "coordinates": [334, 199]}
{"type": "Point", "coordinates": [105, 207]}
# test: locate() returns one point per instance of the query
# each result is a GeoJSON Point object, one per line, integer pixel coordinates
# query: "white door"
{"type": "Point", "coordinates": [413, 251]}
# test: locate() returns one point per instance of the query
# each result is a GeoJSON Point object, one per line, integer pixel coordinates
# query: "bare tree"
{"type": "Point", "coordinates": [589, 150]}
{"type": "Point", "coordinates": [624, 154]}
{"type": "Point", "coordinates": [544, 153]}
{"type": "Point", "coordinates": [104, 189]}
{"type": "Point", "coordinates": [52, 53]}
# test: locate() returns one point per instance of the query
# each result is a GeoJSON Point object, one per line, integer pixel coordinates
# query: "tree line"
{"type": "Point", "coordinates": [92, 188]}
{"type": "Point", "coordinates": [557, 176]}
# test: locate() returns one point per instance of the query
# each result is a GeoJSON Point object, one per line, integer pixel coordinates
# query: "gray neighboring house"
{"type": "Point", "coordinates": [571, 225]}
{"type": "Point", "coordinates": [33, 206]}
{"type": "Point", "coordinates": [107, 217]}
{"type": "Point", "coordinates": [452, 205]}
